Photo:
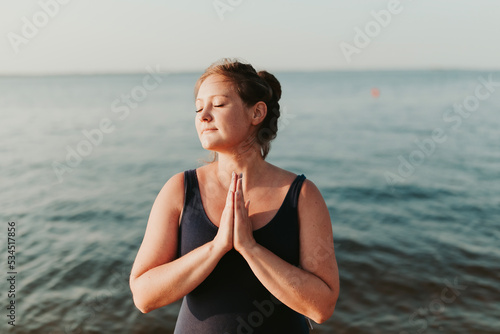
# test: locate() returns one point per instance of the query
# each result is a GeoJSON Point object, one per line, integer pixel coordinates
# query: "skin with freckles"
{"type": "Point", "coordinates": [223, 122]}
{"type": "Point", "coordinates": [240, 193]}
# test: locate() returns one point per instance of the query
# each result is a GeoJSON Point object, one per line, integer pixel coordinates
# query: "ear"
{"type": "Point", "coordinates": [259, 112]}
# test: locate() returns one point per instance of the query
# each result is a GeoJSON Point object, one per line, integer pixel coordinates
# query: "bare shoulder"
{"type": "Point", "coordinates": [176, 181]}
{"type": "Point", "coordinates": [312, 208]}
{"type": "Point", "coordinates": [168, 205]}
{"type": "Point", "coordinates": [205, 176]}
{"type": "Point", "coordinates": [281, 176]}
{"type": "Point", "coordinates": [205, 170]}
{"type": "Point", "coordinates": [172, 192]}
{"type": "Point", "coordinates": [310, 192]}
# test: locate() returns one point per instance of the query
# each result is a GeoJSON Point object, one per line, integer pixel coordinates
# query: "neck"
{"type": "Point", "coordinates": [249, 162]}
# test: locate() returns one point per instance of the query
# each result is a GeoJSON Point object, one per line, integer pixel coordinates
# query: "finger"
{"type": "Point", "coordinates": [237, 195]}
{"type": "Point", "coordinates": [239, 207]}
{"type": "Point", "coordinates": [230, 193]}
{"type": "Point", "coordinates": [231, 205]}
{"type": "Point", "coordinates": [238, 185]}
{"type": "Point", "coordinates": [240, 188]}
{"type": "Point", "coordinates": [234, 181]}
{"type": "Point", "coordinates": [242, 207]}
{"type": "Point", "coordinates": [240, 203]}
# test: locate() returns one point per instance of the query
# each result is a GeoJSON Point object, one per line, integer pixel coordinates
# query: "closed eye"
{"type": "Point", "coordinates": [217, 106]}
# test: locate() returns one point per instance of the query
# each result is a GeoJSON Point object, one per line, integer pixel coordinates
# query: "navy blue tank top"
{"type": "Point", "coordinates": [231, 300]}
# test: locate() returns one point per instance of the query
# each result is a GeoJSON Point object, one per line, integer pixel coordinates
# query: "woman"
{"type": "Point", "coordinates": [247, 244]}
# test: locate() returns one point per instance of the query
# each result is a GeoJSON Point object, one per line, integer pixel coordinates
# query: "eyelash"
{"type": "Point", "coordinates": [217, 106]}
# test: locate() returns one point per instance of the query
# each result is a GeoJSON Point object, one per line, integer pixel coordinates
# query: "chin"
{"type": "Point", "coordinates": [215, 146]}
{"type": "Point", "coordinates": [209, 146]}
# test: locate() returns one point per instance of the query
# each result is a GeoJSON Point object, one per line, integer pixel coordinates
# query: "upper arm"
{"type": "Point", "coordinates": [159, 245]}
{"type": "Point", "coordinates": [317, 254]}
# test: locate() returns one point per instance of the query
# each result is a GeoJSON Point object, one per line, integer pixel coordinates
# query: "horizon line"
{"type": "Point", "coordinates": [110, 73]}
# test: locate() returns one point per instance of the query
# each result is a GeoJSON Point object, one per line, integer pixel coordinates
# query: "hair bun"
{"type": "Point", "coordinates": [273, 83]}
{"type": "Point", "coordinates": [252, 87]}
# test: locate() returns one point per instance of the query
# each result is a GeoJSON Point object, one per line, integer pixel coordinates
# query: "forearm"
{"type": "Point", "coordinates": [171, 281]}
{"type": "Point", "coordinates": [300, 290]}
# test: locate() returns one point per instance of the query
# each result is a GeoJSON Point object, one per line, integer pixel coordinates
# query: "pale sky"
{"type": "Point", "coordinates": [108, 36]}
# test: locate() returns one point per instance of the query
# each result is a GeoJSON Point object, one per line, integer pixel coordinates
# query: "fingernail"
{"type": "Point", "coordinates": [241, 175]}
{"type": "Point", "coordinates": [232, 175]}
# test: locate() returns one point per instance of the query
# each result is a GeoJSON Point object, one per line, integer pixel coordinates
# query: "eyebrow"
{"type": "Point", "coordinates": [214, 96]}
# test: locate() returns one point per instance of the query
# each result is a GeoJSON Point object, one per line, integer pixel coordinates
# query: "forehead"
{"type": "Point", "coordinates": [215, 85]}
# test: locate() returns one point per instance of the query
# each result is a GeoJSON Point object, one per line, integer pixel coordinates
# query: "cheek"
{"type": "Point", "coordinates": [197, 124]}
{"type": "Point", "coordinates": [236, 127]}
{"type": "Point", "coordinates": [239, 120]}
{"type": "Point", "coordinates": [239, 131]}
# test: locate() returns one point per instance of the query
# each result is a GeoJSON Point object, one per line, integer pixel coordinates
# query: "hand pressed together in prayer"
{"type": "Point", "coordinates": [235, 228]}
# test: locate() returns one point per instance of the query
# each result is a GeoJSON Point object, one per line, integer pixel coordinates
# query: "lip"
{"type": "Point", "coordinates": [208, 130]}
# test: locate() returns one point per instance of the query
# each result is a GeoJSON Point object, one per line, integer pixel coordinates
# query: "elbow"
{"type": "Point", "coordinates": [141, 305]}
{"type": "Point", "coordinates": [323, 315]}
{"type": "Point", "coordinates": [144, 310]}
{"type": "Point", "coordinates": [139, 301]}
{"type": "Point", "coordinates": [326, 311]}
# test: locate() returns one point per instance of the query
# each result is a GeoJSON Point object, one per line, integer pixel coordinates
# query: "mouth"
{"type": "Point", "coordinates": [208, 130]}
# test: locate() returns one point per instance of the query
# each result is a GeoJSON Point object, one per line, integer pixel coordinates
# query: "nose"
{"type": "Point", "coordinates": [204, 115]}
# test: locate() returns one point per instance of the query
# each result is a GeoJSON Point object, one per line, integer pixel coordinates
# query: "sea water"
{"type": "Point", "coordinates": [408, 163]}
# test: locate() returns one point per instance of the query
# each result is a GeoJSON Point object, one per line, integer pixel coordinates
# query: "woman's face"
{"type": "Point", "coordinates": [223, 122]}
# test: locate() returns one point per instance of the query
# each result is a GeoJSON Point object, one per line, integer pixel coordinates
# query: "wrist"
{"type": "Point", "coordinates": [248, 248]}
{"type": "Point", "coordinates": [220, 247]}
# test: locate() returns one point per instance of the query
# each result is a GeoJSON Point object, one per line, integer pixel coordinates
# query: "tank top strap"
{"type": "Point", "coordinates": [294, 191]}
{"type": "Point", "coordinates": [190, 185]}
